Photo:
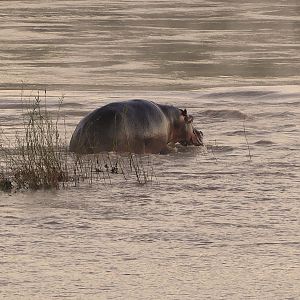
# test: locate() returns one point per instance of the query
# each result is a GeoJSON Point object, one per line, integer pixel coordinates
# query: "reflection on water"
{"type": "Point", "coordinates": [213, 225]}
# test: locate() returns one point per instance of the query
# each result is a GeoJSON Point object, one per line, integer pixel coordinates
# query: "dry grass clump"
{"type": "Point", "coordinates": [39, 157]}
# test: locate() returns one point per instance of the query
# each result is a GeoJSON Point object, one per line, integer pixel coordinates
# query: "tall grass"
{"type": "Point", "coordinates": [39, 158]}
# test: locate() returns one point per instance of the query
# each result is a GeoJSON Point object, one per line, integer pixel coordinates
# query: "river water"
{"type": "Point", "coordinates": [213, 224]}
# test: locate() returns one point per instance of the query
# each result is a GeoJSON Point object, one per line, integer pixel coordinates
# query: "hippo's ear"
{"type": "Point", "coordinates": [183, 112]}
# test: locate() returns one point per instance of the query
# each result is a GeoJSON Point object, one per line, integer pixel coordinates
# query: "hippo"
{"type": "Point", "coordinates": [137, 126]}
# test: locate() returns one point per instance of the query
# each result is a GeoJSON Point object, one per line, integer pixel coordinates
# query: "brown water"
{"type": "Point", "coordinates": [213, 225]}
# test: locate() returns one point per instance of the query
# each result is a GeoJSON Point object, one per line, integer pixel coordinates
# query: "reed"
{"type": "Point", "coordinates": [111, 168]}
{"type": "Point", "coordinates": [246, 139]}
{"type": "Point", "coordinates": [38, 158]}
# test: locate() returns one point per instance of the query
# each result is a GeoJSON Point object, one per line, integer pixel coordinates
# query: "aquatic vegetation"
{"type": "Point", "coordinates": [37, 159]}
{"type": "Point", "coordinates": [109, 167]}
{"type": "Point", "coordinates": [5, 184]}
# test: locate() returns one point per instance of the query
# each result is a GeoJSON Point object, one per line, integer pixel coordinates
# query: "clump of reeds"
{"type": "Point", "coordinates": [38, 158]}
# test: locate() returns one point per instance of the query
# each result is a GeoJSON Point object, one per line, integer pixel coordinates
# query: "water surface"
{"type": "Point", "coordinates": [213, 224]}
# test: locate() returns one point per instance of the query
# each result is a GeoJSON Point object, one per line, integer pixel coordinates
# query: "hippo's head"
{"type": "Point", "coordinates": [188, 134]}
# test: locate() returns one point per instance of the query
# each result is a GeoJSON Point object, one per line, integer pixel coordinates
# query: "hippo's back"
{"type": "Point", "coordinates": [138, 126]}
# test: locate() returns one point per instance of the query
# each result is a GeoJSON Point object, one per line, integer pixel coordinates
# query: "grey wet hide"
{"type": "Point", "coordinates": [137, 126]}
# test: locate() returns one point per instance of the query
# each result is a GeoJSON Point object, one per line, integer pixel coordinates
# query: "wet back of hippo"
{"type": "Point", "coordinates": [137, 126]}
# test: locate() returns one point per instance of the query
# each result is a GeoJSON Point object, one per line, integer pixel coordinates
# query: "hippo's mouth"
{"type": "Point", "coordinates": [195, 142]}
{"type": "Point", "coordinates": [196, 139]}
